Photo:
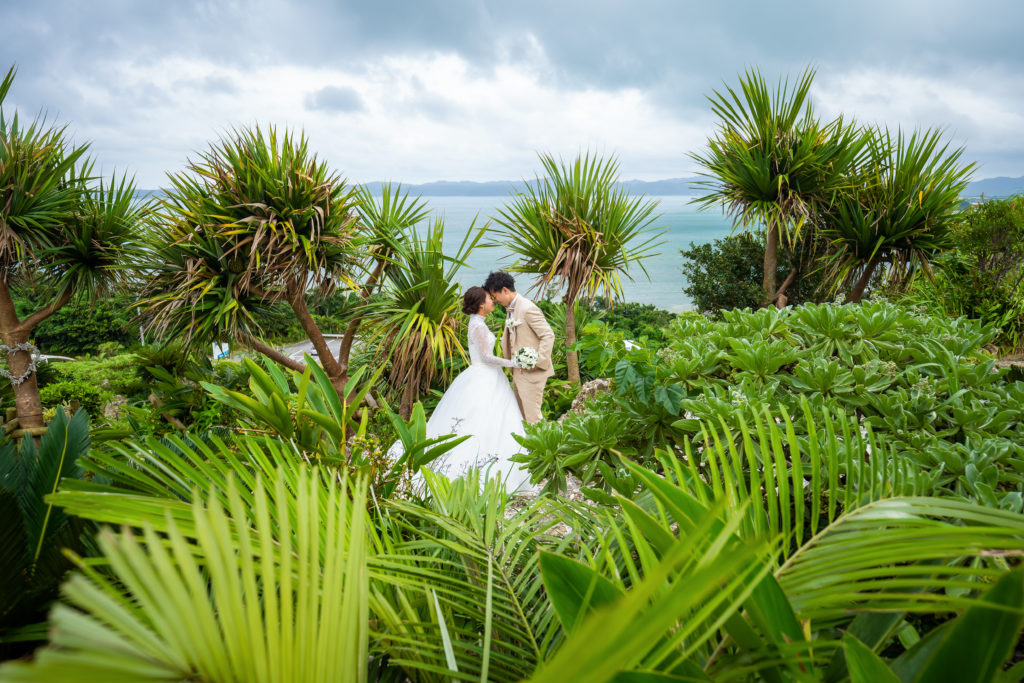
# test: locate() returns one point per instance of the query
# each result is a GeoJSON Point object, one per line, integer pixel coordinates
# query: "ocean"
{"type": "Point", "coordinates": [681, 221]}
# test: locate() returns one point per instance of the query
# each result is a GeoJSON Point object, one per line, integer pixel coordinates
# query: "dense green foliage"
{"type": "Point", "coordinates": [920, 387]}
{"type": "Point", "coordinates": [637, 320]}
{"type": "Point", "coordinates": [727, 273]}
{"type": "Point", "coordinates": [982, 275]}
{"type": "Point", "coordinates": [690, 578]}
{"type": "Point", "coordinates": [81, 326]}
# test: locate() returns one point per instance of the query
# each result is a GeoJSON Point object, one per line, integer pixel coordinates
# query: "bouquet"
{"type": "Point", "coordinates": [526, 358]}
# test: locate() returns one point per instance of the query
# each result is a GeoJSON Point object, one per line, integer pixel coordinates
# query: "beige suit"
{"type": "Point", "coordinates": [529, 328]}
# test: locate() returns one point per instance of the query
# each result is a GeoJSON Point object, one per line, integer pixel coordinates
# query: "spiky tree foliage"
{"type": "Point", "coordinates": [386, 222]}
{"type": "Point", "coordinates": [772, 162]}
{"type": "Point", "coordinates": [254, 220]}
{"type": "Point", "coordinates": [61, 232]}
{"type": "Point", "coordinates": [578, 230]}
{"type": "Point", "coordinates": [418, 322]}
{"type": "Point", "coordinates": [899, 212]}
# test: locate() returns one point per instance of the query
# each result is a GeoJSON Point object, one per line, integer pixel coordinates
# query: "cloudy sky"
{"type": "Point", "coordinates": [423, 90]}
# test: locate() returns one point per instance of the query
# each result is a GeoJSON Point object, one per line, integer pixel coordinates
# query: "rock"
{"type": "Point", "coordinates": [113, 409]}
{"type": "Point", "coordinates": [587, 392]}
{"type": "Point", "coordinates": [1015, 365]}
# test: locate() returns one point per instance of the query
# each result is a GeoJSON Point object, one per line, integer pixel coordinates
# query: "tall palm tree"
{"type": "Point", "coordinates": [61, 232]}
{"type": "Point", "coordinates": [772, 162]}
{"type": "Point", "coordinates": [254, 220]}
{"type": "Point", "coordinates": [577, 229]}
{"type": "Point", "coordinates": [899, 212]}
{"type": "Point", "coordinates": [418, 323]}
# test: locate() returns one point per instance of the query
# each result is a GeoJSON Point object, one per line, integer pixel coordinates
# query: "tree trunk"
{"type": "Point", "coordinates": [780, 296]}
{"type": "Point", "coordinates": [26, 394]}
{"type": "Point", "coordinates": [14, 332]}
{"type": "Point", "coordinates": [409, 396]}
{"type": "Point", "coordinates": [297, 299]}
{"type": "Point", "coordinates": [771, 259]}
{"type": "Point", "coordinates": [572, 360]}
{"type": "Point", "coordinates": [353, 326]}
{"type": "Point", "coordinates": [858, 289]}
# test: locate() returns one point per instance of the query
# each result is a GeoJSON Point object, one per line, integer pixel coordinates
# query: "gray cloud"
{"type": "Point", "coordinates": [334, 98]}
{"type": "Point", "coordinates": [71, 54]}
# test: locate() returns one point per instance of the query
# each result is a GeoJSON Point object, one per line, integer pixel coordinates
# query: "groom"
{"type": "Point", "coordinates": [525, 326]}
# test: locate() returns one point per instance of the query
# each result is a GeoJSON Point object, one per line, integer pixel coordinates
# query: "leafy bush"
{"type": "Point", "coordinates": [983, 277]}
{"type": "Point", "coordinates": [81, 327]}
{"type": "Point", "coordinates": [727, 273]}
{"type": "Point", "coordinates": [37, 532]}
{"type": "Point", "coordinates": [636, 320]}
{"type": "Point", "coordinates": [90, 397]}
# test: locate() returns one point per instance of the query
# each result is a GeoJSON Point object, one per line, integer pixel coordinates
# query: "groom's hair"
{"type": "Point", "coordinates": [499, 280]}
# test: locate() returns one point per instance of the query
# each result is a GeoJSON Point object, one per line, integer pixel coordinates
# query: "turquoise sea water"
{"type": "Point", "coordinates": [682, 222]}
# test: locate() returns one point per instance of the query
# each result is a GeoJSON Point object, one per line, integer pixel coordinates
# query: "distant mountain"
{"type": "Point", "coordinates": [995, 188]}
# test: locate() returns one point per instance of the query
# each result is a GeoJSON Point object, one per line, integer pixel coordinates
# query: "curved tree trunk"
{"type": "Point", "coordinates": [858, 289]}
{"type": "Point", "coordinates": [771, 259]}
{"type": "Point", "coordinates": [14, 332]}
{"type": "Point", "coordinates": [572, 360]}
{"type": "Point", "coordinates": [26, 394]}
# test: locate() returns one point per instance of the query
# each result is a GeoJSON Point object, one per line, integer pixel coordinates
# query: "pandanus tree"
{"type": "Point", "coordinates": [580, 231]}
{"type": "Point", "coordinates": [386, 222]}
{"type": "Point", "coordinates": [63, 233]}
{"type": "Point", "coordinates": [772, 162]}
{"type": "Point", "coordinates": [418, 322]}
{"type": "Point", "coordinates": [900, 210]}
{"type": "Point", "coordinates": [254, 220]}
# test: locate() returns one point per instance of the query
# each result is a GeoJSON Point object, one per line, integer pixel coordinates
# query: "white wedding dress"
{"type": "Point", "coordinates": [480, 402]}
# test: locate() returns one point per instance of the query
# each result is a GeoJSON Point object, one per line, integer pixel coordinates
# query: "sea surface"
{"type": "Point", "coordinates": [680, 221]}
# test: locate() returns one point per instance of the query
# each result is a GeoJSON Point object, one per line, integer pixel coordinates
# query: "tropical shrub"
{"type": "Point", "coordinates": [35, 531]}
{"type": "Point", "coordinates": [636, 320]}
{"type": "Point", "coordinates": [981, 276]}
{"type": "Point", "coordinates": [80, 327]}
{"type": "Point", "coordinates": [248, 545]}
{"type": "Point", "coordinates": [922, 386]}
{"type": "Point", "coordinates": [897, 212]}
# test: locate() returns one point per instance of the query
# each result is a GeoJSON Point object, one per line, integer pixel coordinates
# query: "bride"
{"type": "Point", "coordinates": [480, 402]}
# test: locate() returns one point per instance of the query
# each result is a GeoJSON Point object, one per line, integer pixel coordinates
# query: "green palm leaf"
{"type": "Point", "coordinates": [222, 600]}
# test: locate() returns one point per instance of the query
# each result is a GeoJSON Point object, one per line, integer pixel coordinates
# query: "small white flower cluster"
{"type": "Point", "coordinates": [526, 358]}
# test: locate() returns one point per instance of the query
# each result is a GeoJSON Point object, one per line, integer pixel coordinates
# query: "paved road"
{"type": "Point", "coordinates": [296, 351]}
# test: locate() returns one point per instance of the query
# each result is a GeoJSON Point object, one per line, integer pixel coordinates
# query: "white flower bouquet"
{"type": "Point", "coordinates": [526, 357]}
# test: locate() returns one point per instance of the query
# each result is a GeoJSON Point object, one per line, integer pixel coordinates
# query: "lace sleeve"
{"type": "Point", "coordinates": [482, 342]}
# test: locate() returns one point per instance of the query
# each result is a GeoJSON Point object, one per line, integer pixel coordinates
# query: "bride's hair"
{"type": "Point", "coordinates": [473, 299]}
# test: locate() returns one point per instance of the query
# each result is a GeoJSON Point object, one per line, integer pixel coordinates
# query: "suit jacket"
{"type": "Point", "coordinates": [529, 328]}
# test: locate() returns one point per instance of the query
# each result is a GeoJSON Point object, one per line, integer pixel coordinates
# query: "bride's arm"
{"type": "Point", "coordinates": [478, 338]}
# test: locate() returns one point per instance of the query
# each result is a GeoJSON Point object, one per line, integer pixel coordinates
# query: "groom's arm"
{"type": "Point", "coordinates": [535, 319]}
